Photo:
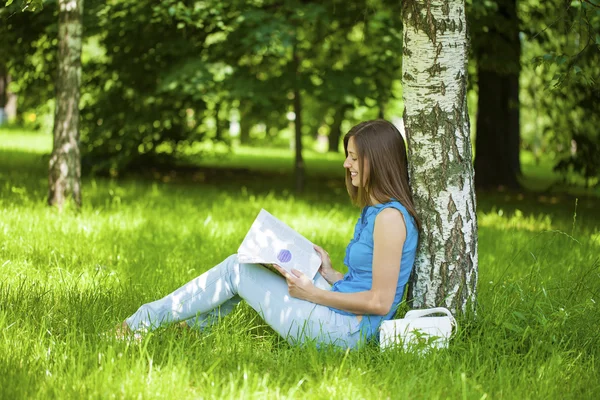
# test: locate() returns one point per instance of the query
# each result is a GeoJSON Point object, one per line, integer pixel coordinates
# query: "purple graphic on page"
{"type": "Point", "coordinates": [284, 256]}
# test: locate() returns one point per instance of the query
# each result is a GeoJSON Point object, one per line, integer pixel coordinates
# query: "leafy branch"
{"type": "Point", "coordinates": [28, 5]}
{"type": "Point", "coordinates": [591, 3]}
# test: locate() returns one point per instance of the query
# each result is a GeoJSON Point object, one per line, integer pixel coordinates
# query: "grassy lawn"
{"type": "Point", "coordinates": [68, 278]}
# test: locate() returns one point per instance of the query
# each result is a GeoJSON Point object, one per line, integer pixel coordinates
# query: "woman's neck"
{"type": "Point", "coordinates": [373, 201]}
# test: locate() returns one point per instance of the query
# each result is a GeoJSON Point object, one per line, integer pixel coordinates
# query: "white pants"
{"type": "Point", "coordinates": [214, 293]}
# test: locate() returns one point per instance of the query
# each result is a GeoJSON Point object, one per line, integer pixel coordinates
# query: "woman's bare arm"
{"type": "Point", "coordinates": [389, 235]}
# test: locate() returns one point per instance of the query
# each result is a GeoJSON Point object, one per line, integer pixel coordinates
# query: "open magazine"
{"type": "Point", "coordinates": [270, 241]}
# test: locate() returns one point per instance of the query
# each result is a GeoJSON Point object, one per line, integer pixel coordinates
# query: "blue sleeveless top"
{"type": "Point", "coordinates": [359, 260]}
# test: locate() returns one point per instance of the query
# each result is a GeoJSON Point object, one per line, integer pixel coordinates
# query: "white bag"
{"type": "Point", "coordinates": [418, 332]}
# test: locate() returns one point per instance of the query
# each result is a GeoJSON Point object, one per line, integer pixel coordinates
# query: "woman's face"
{"type": "Point", "coordinates": [351, 163]}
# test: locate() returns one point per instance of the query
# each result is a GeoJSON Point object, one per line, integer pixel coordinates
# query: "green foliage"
{"type": "Point", "coordinates": [133, 103]}
{"type": "Point", "coordinates": [561, 96]}
{"type": "Point", "coordinates": [27, 5]}
{"type": "Point", "coordinates": [223, 57]}
{"type": "Point", "coordinates": [584, 158]}
{"type": "Point", "coordinates": [493, 19]}
{"type": "Point", "coordinates": [559, 70]}
{"type": "Point", "coordinates": [28, 53]}
{"type": "Point", "coordinates": [69, 278]}
{"type": "Point", "coordinates": [158, 77]}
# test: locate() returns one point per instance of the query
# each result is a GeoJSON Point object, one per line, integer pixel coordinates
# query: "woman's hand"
{"type": "Point", "coordinates": [300, 286]}
{"type": "Point", "coordinates": [326, 270]}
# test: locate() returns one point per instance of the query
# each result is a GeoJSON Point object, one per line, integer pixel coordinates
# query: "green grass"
{"type": "Point", "coordinates": [541, 176]}
{"type": "Point", "coordinates": [277, 160]}
{"type": "Point", "coordinates": [67, 278]}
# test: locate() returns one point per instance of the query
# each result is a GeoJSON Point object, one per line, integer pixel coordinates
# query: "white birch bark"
{"type": "Point", "coordinates": [434, 81]}
{"type": "Point", "coordinates": [64, 175]}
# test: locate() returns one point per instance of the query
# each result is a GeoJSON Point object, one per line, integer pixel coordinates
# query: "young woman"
{"type": "Point", "coordinates": [339, 309]}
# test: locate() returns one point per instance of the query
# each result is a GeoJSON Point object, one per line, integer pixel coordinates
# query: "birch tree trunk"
{"type": "Point", "coordinates": [64, 177]}
{"type": "Point", "coordinates": [434, 79]}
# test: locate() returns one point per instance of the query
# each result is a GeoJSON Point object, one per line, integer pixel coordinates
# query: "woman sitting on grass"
{"type": "Point", "coordinates": [337, 309]}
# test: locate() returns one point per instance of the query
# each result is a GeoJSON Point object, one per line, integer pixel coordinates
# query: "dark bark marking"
{"type": "Point", "coordinates": [413, 13]}
{"type": "Point", "coordinates": [451, 208]}
{"type": "Point", "coordinates": [441, 294]}
{"type": "Point", "coordinates": [446, 8]}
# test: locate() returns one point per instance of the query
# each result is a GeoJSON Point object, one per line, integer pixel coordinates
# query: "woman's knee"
{"type": "Point", "coordinates": [233, 258]}
{"type": "Point", "coordinates": [232, 262]}
{"type": "Point", "coordinates": [232, 266]}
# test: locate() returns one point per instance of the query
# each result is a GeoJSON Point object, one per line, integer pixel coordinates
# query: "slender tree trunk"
{"type": "Point", "coordinates": [298, 161]}
{"type": "Point", "coordinates": [382, 98]}
{"type": "Point", "coordinates": [8, 100]}
{"type": "Point", "coordinates": [245, 125]}
{"type": "Point", "coordinates": [244, 131]}
{"type": "Point", "coordinates": [497, 143]}
{"type": "Point", "coordinates": [336, 129]}
{"type": "Point", "coordinates": [64, 176]}
{"type": "Point", "coordinates": [10, 108]}
{"type": "Point", "coordinates": [3, 94]}
{"type": "Point", "coordinates": [437, 127]}
{"type": "Point", "coordinates": [218, 123]}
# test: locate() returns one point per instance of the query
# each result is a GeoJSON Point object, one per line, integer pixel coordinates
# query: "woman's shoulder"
{"type": "Point", "coordinates": [386, 210]}
{"type": "Point", "coordinates": [393, 203]}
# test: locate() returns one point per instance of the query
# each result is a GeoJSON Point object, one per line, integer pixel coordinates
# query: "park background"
{"type": "Point", "coordinates": [189, 126]}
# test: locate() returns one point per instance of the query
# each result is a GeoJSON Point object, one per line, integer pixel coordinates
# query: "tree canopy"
{"type": "Point", "coordinates": [159, 77]}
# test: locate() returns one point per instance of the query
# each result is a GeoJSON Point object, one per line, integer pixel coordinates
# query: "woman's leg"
{"type": "Point", "coordinates": [200, 296]}
{"type": "Point", "coordinates": [266, 292]}
{"type": "Point", "coordinates": [298, 321]}
{"type": "Point", "coordinates": [202, 321]}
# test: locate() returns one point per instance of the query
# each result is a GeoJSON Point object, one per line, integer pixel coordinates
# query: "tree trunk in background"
{"type": "Point", "coordinates": [495, 147]}
{"type": "Point", "coordinates": [298, 161]}
{"type": "Point", "coordinates": [382, 99]}
{"type": "Point", "coordinates": [498, 123]}
{"type": "Point", "coordinates": [380, 111]}
{"type": "Point", "coordinates": [245, 125]}
{"type": "Point", "coordinates": [514, 116]}
{"type": "Point", "coordinates": [434, 81]}
{"type": "Point", "coordinates": [8, 100]}
{"type": "Point", "coordinates": [218, 123]}
{"type": "Point", "coordinates": [10, 108]}
{"type": "Point", "coordinates": [3, 94]}
{"type": "Point", "coordinates": [335, 132]}
{"type": "Point", "coordinates": [64, 176]}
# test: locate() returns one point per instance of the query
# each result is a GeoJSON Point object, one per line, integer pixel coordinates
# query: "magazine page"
{"type": "Point", "coordinates": [270, 241]}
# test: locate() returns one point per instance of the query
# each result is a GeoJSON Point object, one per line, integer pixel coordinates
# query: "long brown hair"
{"type": "Point", "coordinates": [380, 145]}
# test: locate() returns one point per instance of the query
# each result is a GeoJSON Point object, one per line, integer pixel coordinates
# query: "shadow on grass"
{"type": "Point", "coordinates": [23, 177]}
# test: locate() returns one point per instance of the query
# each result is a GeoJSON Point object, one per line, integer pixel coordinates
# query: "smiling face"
{"type": "Point", "coordinates": [351, 163]}
{"type": "Point", "coordinates": [376, 165]}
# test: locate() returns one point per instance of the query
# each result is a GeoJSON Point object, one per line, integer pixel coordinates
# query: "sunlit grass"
{"type": "Point", "coordinates": [23, 140]}
{"type": "Point", "coordinates": [540, 175]}
{"type": "Point", "coordinates": [277, 160]}
{"type": "Point", "coordinates": [67, 279]}
{"type": "Point", "coordinates": [517, 220]}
